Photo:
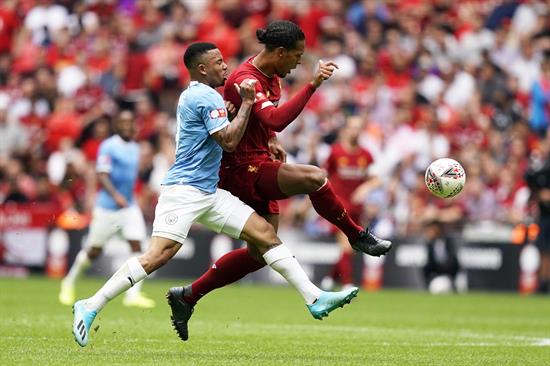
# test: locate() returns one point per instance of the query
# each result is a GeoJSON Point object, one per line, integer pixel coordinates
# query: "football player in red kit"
{"type": "Point", "coordinates": [347, 168]}
{"type": "Point", "coordinates": [256, 178]}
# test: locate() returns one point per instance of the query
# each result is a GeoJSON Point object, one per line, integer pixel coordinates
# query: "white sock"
{"type": "Point", "coordinates": [134, 290]}
{"type": "Point", "coordinates": [81, 263]}
{"type": "Point", "coordinates": [281, 260]}
{"type": "Point", "coordinates": [127, 276]}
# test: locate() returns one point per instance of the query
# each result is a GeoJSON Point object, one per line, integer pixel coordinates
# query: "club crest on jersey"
{"type": "Point", "coordinates": [218, 113]}
{"type": "Point", "coordinates": [104, 160]}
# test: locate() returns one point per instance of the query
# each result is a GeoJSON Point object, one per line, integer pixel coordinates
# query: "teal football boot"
{"type": "Point", "coordinates": [83, 319]}
{"type": "Point", "coordinates": [328, 301]}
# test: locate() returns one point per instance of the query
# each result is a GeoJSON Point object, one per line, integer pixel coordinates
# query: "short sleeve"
{"type": "Point", "coordinates": [104, 159]}
{"type": "Point", "coordinates": [213, 112]}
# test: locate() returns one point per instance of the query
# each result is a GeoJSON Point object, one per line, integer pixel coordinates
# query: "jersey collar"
{"type": "Point", "coordinates": [120, 139]}
{"type": "Point", "coordinates": [251, 62]}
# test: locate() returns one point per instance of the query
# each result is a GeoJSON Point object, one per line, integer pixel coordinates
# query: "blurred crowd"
{"type": "Point", "coordinates": [430, 78]}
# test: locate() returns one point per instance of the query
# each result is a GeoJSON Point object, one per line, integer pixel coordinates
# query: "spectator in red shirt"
{"type": "Point", "coordinates": [96, 132]}
{"type": "Point", "coordinates": [64, 122]}
{"type": "Point", "coordinates": [8, 25]}
{"type": "Point", "coordinates": [136, 73]}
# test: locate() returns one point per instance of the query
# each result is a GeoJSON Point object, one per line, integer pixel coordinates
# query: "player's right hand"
{"type": "Point", "coordinates": [247, 89]}
{"type": "Point", "coordinates": [324, 71]}
{"type": "Point", "coordinates": [120, 200]}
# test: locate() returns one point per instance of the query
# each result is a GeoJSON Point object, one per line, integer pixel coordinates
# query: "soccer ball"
{"type": "Point", "coordinates": [445, 178]}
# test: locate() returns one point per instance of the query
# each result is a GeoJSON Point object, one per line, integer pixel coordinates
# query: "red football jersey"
{"type": "Point", "coordinates": [254, 144]}
{"type": "Point", "coordinates": [347, 170]}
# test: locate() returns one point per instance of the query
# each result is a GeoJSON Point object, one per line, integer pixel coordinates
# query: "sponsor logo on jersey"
{"type": "Point", "coordinates": [218, 113]}
{"type": "Point", "coordinates": [103, 163]}
{"type": "Point", "coordinates": [266, 104]}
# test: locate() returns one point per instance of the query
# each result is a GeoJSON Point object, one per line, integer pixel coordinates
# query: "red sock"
{"type": "Point", "coordinates": [345, 266]}
{"type": "Point", "coordinates": [342, 270]}
{"type": "Point", "coordinates": [229, 268]}
{"type": "Point", "coordinates": [335, 271]}
{"type": "Point", "coordinates": [329, 206]}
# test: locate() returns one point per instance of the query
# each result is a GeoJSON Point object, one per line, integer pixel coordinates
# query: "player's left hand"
{"type": "Point", "coordinates": [276, 149]}
{"type": "Point", "coordinates": [247, 90]}
{"type": "Point", "coordinates": [231, 110]}
{"type": "Point", "coordinates": [324, 71]}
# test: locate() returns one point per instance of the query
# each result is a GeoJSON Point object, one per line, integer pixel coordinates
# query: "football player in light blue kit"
{"type": "Point", "coordinates": [115, 212]}
{"type": "Point", "coordinates": [190, 194]}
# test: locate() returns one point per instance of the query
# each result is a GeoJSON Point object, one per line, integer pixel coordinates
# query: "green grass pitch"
{"type": "Point", "coordinates": [261, 325]}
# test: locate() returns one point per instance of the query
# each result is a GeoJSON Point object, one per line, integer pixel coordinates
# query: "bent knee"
{"type": "Point", "coordinates": [315, 178]}
{"type": "Point", "coordinates": [267, 234]}
{"type": "Point", "coordinates": [135, 248]}
{"type": "Point", "coordinates": [165, 256]}
{"type": "Point", "coordinates": [159, 253]}
{"type": "Point", "coordinates": [259, 232]}
{"type": "Point", "coordinates": [153, 261]}
{"type": "Point", "coordinates": [94, 252]}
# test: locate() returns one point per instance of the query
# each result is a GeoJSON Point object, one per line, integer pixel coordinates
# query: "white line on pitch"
{"type": "Point", "coordinates": [489, 339]}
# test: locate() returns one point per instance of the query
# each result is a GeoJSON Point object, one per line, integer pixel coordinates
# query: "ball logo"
{"type": "Point", "coordinates": [171, 218]}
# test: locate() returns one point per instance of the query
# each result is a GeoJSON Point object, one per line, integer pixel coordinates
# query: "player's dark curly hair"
{"type": "Point", "coordinates": [280, 33]}
{"type": "Point", "coordinates": [194, 51]}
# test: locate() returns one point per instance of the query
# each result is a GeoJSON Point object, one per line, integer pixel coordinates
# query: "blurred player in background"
{"type": "Point", "coordinates": [347, 168]}
{"type": "Point", "coordinates": [256, 171]}
{"type": "Point", "coordinates": [538, 180]}
{"type": "Point", "coordinates": [190, 194]}
{"type": "Point", "coordinates": [442, 269]}
{"type": "Point", "coordinates": [115, 212]}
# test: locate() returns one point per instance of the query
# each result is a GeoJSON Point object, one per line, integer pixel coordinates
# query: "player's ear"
{"type": "Point", "coordinates": [202, 69]}
{"type": "Point", "coordinates": [281, 51]}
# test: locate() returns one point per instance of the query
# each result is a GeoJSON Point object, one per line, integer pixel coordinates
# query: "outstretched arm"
{"type": "Point", "coordinates": [277, 118]}
{"type": "Point", "coordinates": [230, 136]}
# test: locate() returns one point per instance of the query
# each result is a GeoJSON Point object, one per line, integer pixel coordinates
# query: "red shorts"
{"type": "Point", "coordinates": [255, 184]}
